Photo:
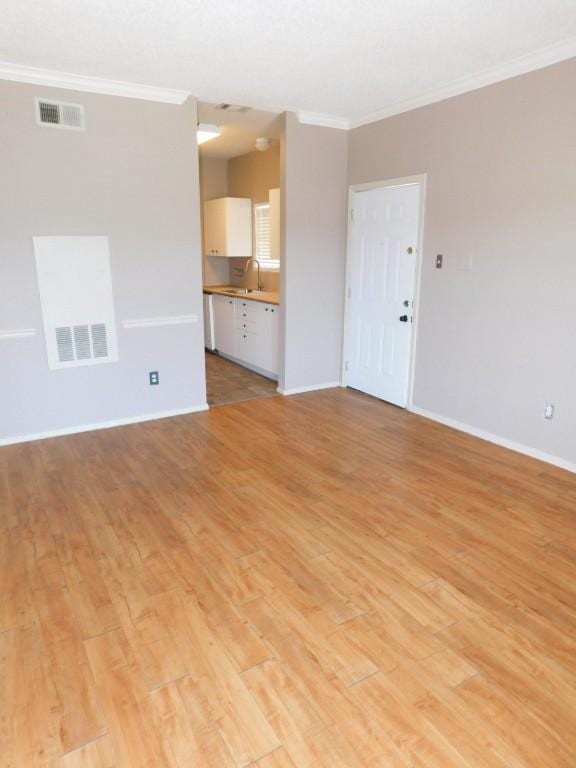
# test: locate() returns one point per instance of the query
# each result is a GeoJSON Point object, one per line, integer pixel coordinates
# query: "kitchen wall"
{"type": "Point", "coordinates": [314, 187]}
{"type": "Point", "coordinates": [132, 175]}
{"type": "Point", "coordinates": [249, 175]}
{"type": "Point", "coordinates": [253, 175]}
{"type": "Point", "coordinates": [213, 184]}
{"type": "Point", "coordinates": [496, 340]}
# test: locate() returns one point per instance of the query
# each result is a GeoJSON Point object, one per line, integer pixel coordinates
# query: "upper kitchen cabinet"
{"type": "Point", "coordinates": [228, 227]}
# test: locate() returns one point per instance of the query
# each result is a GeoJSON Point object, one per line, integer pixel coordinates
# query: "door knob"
{"type": "Point", "coordinates": [403, 318]}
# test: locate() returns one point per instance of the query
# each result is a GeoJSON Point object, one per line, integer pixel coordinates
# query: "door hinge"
{"type": "Point", "coordinates": [346, 365]}
{"type": "Point", "coordinates": [352, 214]}
{"type": "Point", "coordinates": [349, 292]}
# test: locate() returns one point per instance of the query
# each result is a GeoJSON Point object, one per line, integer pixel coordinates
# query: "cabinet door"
{"type": "Point", "coordinates": [269, 339]}
{"type": "Point", "coordinates": [274, 340]}
{"type": "Point", "coordinates": [238, 227]}
{"type": "Point", "coordinates": [215, 227]}
{"type": "Point", "coordinates": [223, 317]}
{"type": "Point", "coordinates": [208, 332]}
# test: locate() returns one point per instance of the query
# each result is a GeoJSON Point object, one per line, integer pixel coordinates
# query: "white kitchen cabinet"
{"type": "Point", "coordinates": [228, 227]}
{"type": "Point", "coordinates": [208, 322]}
{"type": "Point", "coordinates": [223, 317]}
{"type": "Point", "coordinates": [271, 346]}
{"type": "Point", "coordinates": [249, 332]}
{"type": "Point", "coordinates": [254, 328]}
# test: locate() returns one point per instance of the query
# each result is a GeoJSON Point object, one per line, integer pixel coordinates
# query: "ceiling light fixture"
{"type": "Point", "coordinates": [263, 143]}
{"type": "Point", "coordinates": [206, 131]}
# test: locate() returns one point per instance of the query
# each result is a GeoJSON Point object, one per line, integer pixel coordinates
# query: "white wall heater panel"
{"type": "Point", "coordinates": [75, 287]}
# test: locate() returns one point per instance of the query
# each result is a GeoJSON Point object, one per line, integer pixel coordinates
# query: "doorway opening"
{"type": "Point", "coordinates": [241, 211]}
{"type": "Point", "coordinates": [382, 286]}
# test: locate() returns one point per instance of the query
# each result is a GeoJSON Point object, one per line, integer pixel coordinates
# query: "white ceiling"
{"type": "Point", "coordinates": [355, 60]}
{"type": "Point", "coordinates": [238, 130]}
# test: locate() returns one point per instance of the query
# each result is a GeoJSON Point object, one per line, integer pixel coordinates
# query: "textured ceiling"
{"type": "Point", "coordinates": [349, 59]}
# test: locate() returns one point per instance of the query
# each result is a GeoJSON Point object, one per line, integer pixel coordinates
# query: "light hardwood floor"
{"type": "Point", "coordinates": [320, 581]}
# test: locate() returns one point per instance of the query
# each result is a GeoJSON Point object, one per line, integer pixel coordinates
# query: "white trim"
{"type": "Point", "coordinates": [543, 57]}
{"type": "Point", "coordinates": [421, 180]}
{"type": "Point", "coordinates": [23, 333]}
{"type": "Point", "coordinates": [311, 388]}
{"type": "Point", "coordinates": [325, 121]}
{"type": "Point", "coordinates": [530, 62]}
{"type": "Point", "coordinates": [103, 425]}
{"type": "Point", "coordinates": [504, 442]}
{"type": "Point", "coordinates": [54, 79]}
{"type": "Point", "coordinates": [154, 322]}
{"type": "Point", "coordinates": [262, 371]}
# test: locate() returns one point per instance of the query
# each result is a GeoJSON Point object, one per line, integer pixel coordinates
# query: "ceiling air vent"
{"type": "Point", "coordinates": [60, 114]}
{"type": "Point", "coordinates": [233, 108]}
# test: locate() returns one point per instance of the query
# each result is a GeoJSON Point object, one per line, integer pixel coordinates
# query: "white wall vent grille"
{"type": "Point", "coordinates": [99, 340]}
{"type": "Point", "coordinates": [60, 114]}
{"type": "Point", "coordinates": [81, 342]}
{"type": "Point", "coordinates": [75, 286]}
{"type": "Point", "coordinates": [64, 344]}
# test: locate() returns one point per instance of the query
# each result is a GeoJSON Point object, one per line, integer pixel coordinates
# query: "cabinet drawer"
{"type": "Point", "coordinates": [249, 323]}
{"type": "Point", "coordinates": [248, 307]}
{"type": "Point", "coordinates": [247, 346]}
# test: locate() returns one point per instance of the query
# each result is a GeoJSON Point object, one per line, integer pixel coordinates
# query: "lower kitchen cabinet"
{"type": "Point", "coordinates": [223, 318]}
{"type": "Point", "coordinates": [247, 331]}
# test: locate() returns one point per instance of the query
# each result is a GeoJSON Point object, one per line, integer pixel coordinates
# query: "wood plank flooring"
{"type": "Point", "coordinates": [320, 581]}
{"type": "Point", "coordinates": [228, 382]}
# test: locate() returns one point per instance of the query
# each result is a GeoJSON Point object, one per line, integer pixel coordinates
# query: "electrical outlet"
{"type": "Point", "coordinates": [549, 411]}
{"type": "Point", "coordinates": [153, 378]}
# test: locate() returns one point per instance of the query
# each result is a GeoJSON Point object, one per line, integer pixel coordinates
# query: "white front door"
{"type": "Point", "coordinates": [381, 284]}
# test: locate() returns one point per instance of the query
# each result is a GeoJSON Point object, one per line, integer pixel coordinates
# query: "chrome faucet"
{"type": "Point", "coordinates": [260, 285]}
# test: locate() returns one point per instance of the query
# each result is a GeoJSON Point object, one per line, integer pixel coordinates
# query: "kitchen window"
{"type": "Point", "coordinates": [263, 236]}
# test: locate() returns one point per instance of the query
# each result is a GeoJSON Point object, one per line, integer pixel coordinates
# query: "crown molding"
{"type": "Point", "coordinates": [325, 121]}
{"type": "Point", "coordinates": [54, 79]}
{"type": "Point", "coordinates": [543, 57]}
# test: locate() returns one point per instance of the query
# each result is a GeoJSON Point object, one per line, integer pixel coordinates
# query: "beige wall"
{"type": "Point", "coordinates": [250, 175]}
{"type": "Point", "coordinates": [133, 176]}
{"type": "Point", "coordinates": [253, 175]}
{"type": "Point", "coordinates": [213, 184]}
{"type": "Point", "coordinates": [497, 342]}
{"type": "Point", "coordinates": [314, 180]}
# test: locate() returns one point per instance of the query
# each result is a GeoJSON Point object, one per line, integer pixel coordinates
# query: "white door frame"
{"type": "Point", "coordinates": [421, 180]}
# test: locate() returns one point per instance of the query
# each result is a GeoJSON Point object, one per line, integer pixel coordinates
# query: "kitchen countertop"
{"type": "Point", "coordinates": [268, 297]}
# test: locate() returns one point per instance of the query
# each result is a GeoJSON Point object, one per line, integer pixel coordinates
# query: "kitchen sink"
{"type": "Point", "coordinates": [243, 290]}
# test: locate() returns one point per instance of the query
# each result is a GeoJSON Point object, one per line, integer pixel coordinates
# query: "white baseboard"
{"type": "Point", "coordinates": [255, 368]}
{"type": "Point", "coordinates": [312, 388]}
{"type": "Point", "coordinates": [496, 439]}
{"type": "Point", "coordinates": [102, 425]}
